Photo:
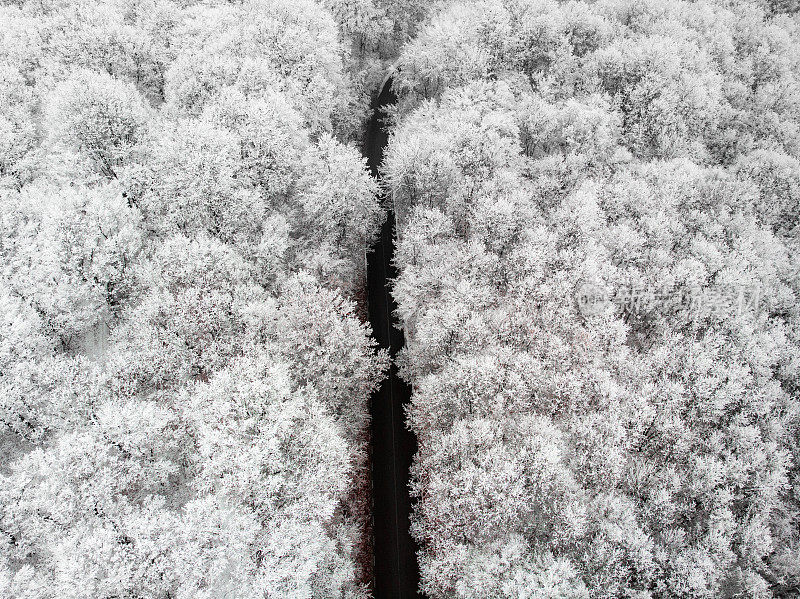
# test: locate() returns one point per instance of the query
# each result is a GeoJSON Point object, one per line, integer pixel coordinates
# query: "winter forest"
{"type": "Point", "coordinates": [597, 236]}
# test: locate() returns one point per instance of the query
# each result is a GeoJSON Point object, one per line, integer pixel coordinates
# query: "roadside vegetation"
{"type": "Point", "coordinates": [598, 208]}
{"type": "Point", "coordinates": [598, 253]}
{"type": "Point", "coordinates": [183, 375]}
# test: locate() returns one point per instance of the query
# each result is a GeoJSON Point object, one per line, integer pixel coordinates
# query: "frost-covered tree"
{"type": "Point", "coordinates": [97, 118]}
{"type": "Point", "coordinates": [260, 46]}
{"type": "Point", "coordinates": [69, 253]}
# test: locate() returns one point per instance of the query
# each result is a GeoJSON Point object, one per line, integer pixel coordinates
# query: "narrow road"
{"type": "Point", "coordinates": [393, 446]}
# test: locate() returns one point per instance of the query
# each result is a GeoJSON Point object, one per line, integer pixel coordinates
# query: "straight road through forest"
{"type": "Point", "coordinates": [393, 446]}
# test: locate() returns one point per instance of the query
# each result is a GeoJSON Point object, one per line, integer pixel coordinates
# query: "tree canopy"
{"type": "Point", "coordinates": [599, 287]}
{"type": "Point", "coordinates": [184, 372]}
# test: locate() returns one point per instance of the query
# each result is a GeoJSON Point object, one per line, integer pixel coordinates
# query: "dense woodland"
{"type": "Point", "coordinates": [646, 443]}
{"type": "Point", "coordinates": [598, 210]}
{"type": "Point", "coordinates": [183, 372]}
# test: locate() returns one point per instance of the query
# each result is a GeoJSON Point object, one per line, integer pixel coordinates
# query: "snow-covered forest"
{"type": "Point", "coordinates": [598, 246]}
{"type": "Point", "coordinates": [184, 374]}
{"type": "Point", "coordinates": [598, 221]}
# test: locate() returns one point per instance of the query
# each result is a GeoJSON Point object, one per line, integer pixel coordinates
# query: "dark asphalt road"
{"type": "Point", "coordinates": [393, 446]}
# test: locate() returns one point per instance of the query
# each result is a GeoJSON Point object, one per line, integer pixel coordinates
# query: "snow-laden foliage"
{"type": "Point", "coordinates": [183, 371]}
{"type": "Point", "coordinates": [598, 254]}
